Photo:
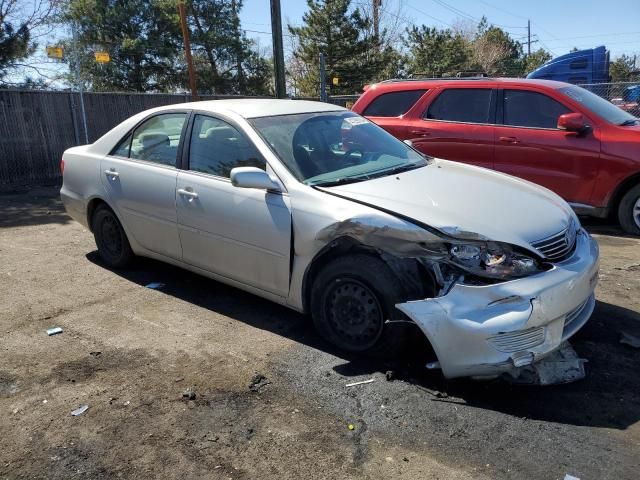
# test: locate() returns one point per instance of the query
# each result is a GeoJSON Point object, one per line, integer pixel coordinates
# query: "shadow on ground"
{"type": "Point", "coordinates": [38, 206]}
{"type": "Point", "coordinates": [609, 396]}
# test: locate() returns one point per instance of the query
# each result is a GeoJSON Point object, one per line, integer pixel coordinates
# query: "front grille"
{"type": "Point", "coordinates": [559, 246]}
{"type": "Point", "coordinates": [510, 342]}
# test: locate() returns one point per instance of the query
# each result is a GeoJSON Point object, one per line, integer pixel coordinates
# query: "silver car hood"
{"type": "Point", "coordinates": [457, 199]}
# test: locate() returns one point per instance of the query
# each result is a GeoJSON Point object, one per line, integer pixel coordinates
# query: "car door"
{"type": "Point", "coordinates": [387, 110]}
{"type": "Point", "coordinates": [240, 233]}
{"type": "Point", "coordinates": [457, 125]}
{"type": "Point", "coordinates": [529, 145]}
{"type": "Point", "coordinates": [139, 177]}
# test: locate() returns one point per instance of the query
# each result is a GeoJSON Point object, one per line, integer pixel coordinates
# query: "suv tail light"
{"type": "Point", "coordinates": [62, 166]}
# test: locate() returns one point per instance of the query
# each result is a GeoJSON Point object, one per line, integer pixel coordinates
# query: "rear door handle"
{"type": "Point", "coordinates": [188, 193]}
{"type": "Point", "coordinates": [112, 173]}
{"type": "Point", "coordinates": [508, 139]}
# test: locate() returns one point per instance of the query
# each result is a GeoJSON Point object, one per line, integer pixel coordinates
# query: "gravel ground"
{"type": "Point", "coordinates": [268, 397]}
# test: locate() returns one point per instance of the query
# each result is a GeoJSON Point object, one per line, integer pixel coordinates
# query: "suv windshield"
{"type": "Point", "coordinates": [331, 148]}
{"type": "Point", "coordinates": [598, 105]}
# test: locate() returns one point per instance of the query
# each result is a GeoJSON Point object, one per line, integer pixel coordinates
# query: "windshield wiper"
{"type": "Point", "coordinates": [400, 168]}
{"type": "Point", "coordinates": [631, 121]}
{"type": "Point", "coordinates": [340, 181]}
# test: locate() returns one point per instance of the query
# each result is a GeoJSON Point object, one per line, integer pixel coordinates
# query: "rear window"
{"type": "Point", "coordinates": [393, 104]}
{"type": "Point", "coordinates": [470, 105]}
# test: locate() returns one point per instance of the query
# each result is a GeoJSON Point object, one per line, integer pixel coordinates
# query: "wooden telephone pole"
{"type": "Point", "coordinates": [187, 52]}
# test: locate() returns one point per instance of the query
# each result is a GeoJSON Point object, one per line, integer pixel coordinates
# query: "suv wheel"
{"type": "Point", "coordinates": [629, 211]}
{"type": "Point", "coordinates": [111, 240]}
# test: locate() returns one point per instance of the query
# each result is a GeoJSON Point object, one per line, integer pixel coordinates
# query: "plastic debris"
{"type": "Point", "coordinates": [562, 366]}
{"type": "Point", "coordinates": [154, 285]}
{"type": "Point", "coordinates": [351, 426]}
{"type": "Point", "coordinates": [189, 394]}
{"type": "Point", "coordinates": [80, 410]}
{"type": "Point", "coordinates": [360, 383]}
{"type": "Point", "coordinates": [258, 382]}
{"type": "Point", "coordinates": [630, 340]}
{"type": "Point", "coordinates": [570, 477]}
{"type": "Point", "coordinates": [54, 331]}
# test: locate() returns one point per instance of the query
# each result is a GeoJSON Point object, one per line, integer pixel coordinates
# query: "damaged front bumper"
{"type": "Point", "coordinates": [501, 328]}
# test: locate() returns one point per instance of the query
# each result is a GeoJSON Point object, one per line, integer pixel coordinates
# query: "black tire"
{"type": "Point", "coordinates": [629, 211]}
{"type": "Point", "coordinates": [111, 240]}
{"type": "Point", "coordinates": [352, 297]}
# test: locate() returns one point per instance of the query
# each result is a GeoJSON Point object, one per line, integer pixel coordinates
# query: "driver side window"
{"type": "Point", "coordinates": [217, 147]}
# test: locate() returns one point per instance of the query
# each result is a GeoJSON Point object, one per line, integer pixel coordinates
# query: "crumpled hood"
{"type": "Point", "coordinates": [454, 197]}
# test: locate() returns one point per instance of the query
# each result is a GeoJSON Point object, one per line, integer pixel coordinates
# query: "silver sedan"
{"type": "Point", "coordinates": [316, 208]}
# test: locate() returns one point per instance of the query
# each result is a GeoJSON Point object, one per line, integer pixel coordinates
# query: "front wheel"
{"type": "Point", "coordinates": [629, 211]}
{"type": "Point", "coordinates": [111, 239]}
{"type": "Point", "coordinates": [352, 298]}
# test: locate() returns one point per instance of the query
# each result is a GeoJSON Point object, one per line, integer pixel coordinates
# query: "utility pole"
{"type": "Point", "coordinates": [187, 52]}
{"type": "Point", "coordinates": [376, 17]}
{"type": "Point", "coordinates": [528, 37]}
{"type": "Point", "coordinates": [278, 49]}
{"type": "Point", "coordinates": [323, 80]}
{"type": "Point", "coordinates": [76, 48]}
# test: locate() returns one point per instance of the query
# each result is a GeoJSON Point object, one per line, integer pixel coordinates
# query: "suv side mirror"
{"type": "Point", "coordinates": [572, 122]}
{"type": "Point", "coordinates": [253, 177]}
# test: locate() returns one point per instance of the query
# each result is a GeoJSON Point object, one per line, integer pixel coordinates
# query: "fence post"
{"type": "Point", "coordinates": [74, 120]}
{"type": "Point", "coordinates": [323, 80]}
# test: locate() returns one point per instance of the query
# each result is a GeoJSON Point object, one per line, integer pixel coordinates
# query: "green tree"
{"type": "Point", "coordinates": [495, 52]}
{"type": "Point", "coordinates": [535, 60]}
{"type": "Point", "coordinates": [353, 55]}
{"type": "Point", "coordinates": [228, 62]}
{"type": "Point", "coordinates": [623, 69]}
{"type": "Point", "coordinates": [435, 52]}
{"type": "Point", "coordinates": [142, 38]}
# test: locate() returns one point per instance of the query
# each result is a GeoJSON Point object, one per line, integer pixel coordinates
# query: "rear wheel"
{"type": "Point", "coordinates": [352, 298]}
{"type": "Point", "coordinates": [111, 240]}
{"type": "Point", "coordinates": [629, 211]}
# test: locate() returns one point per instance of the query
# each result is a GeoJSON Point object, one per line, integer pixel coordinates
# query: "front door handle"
{"type": "Point", "coordinates": [420, 133]}
{"type": "Point", "coordinates": [188, 193]}
{"type": "Point", "coordinates": [508, 139]}
{"type": "Point", "coordinates": [111, 173]}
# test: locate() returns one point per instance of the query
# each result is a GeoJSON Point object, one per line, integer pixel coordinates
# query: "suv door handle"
{"type": "Point", "coordinates": [508, 139]}
{"type": "Point", "coordinates": [188, 193]}
{"type": "Point", "coordinates": [420, 133]}
{"type": "Point", "coordinates": [112, 173]}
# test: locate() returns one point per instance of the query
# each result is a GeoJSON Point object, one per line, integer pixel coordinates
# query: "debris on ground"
{"type": "Point", "coordinates": [54, 331]}
{"type": "Point", "coordinates": [360, 383]}
{"type": "Point", "coordinates": [80, 410]}
{"type": "Point", "coordinates": [189, 394]}
{"type": "Point", "coordinates": [154, 285]}
{"type": "Point", "coordinates": [351, 426]}
{"type": "Point", "coordinates": [570, 477]}
{"type": "Point", "coordinates": [258, 382]}
{"type": "Point", "coordinates": [630, 340]}
{"type": "Point", "coordinates": [562, 366]}
{"type": "Point", "coordinates": [95, 354]}
{"type": "Point", "coordinates": [442, 395]}
{"type": "Point", "coordinates": [390, 375]}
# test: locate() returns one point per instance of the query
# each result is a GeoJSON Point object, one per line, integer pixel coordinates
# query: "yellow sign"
{"type": "Point", "coordinates": [335, 80]}
{"type": "Point", "coordinates": [55, 52]}
{"type": "Point", "coordinates": [102, 57]}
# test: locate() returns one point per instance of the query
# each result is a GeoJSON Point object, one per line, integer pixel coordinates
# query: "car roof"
{"type": "Point", "coordinates": [257, 107]}
{"type": "Point", "coordinates": [419, 84]}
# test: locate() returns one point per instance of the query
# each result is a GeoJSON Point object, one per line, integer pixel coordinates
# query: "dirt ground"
{"type": "Point", "coordinates": [129, 353]}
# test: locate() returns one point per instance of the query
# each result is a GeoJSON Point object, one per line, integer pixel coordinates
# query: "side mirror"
{"type": "Point", "coordinates": [252, 177]}
{"type": "Point", "coordinates": [572, 122]}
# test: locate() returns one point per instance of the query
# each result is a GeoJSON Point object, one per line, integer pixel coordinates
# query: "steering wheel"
{"type": "Point", "coordinates": [349, 157]}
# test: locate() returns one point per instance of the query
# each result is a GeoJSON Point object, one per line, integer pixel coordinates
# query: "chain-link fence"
{"type": "Point", "coordinates": [625, 95]}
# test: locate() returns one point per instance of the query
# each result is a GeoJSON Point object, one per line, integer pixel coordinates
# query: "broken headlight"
{"type": "Point", "coordinates": [492, 260]}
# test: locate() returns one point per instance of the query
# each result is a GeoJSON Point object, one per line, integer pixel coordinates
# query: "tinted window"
{"type": "Point", "coordinates": [393, 104]}
{"type": "Point", "coordinates": [578, 64]}
{"type": "Point", "coordinates": [217, 147]}
{"type": "Point", "coordinates": [471, 105]}
{"type": "Point", "coordinates": [156, 140]}
{"type": "Point", "coordinates": [530, 109]}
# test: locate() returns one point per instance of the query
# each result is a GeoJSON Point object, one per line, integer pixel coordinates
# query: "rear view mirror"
{"type": "Point", "coordinates": [253, 177]}
{"type": "Point", "coordinates": [572, 122]}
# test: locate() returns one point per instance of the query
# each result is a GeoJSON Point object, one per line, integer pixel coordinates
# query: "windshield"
{"type": "Point", "coordinates": [598, 105]}
{"type": "Point", "coordinates": [331, 148]}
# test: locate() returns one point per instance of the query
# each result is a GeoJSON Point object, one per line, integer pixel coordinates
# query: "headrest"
{"type": "Point", "coordinates": [150, 140]}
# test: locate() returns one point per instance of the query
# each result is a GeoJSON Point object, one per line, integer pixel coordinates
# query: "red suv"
{"type": "Point", "coordinates": [555, 134]}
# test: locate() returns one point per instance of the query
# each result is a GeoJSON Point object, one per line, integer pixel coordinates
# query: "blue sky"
{"type": "Point", "coordinates": [558, 25]}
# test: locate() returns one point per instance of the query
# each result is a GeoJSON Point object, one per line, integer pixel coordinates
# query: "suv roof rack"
{"type": "Point", "coordinates": [424, 79]}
